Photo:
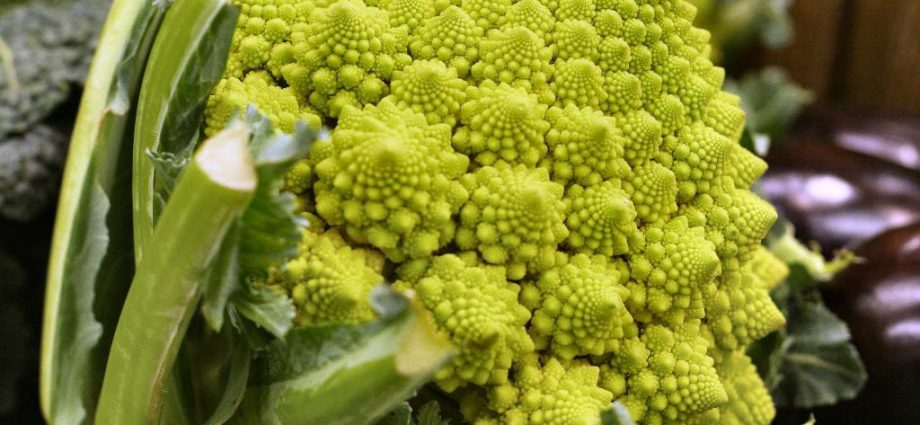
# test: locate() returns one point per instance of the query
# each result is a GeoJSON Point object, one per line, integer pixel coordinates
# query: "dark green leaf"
{"type": "Point", "coordinates": [821, 367]}
{"type": "Point", "coordinates": [91, 261]}
{"type": "Point", "coordinates": [185, 64]}
{"type": "Point", "coordinates": [768, 355]}
{"type": "Point", "coordinates": [206, 379]}
{"type": "Point", "coordinates": [346, 374]}
{"type": "Point", "coordinates": [616, 415]}
{"type": "Point", "coordinates": [208, 200]}
{"type": "Point", "coordinates": [815, 325]}
{"type": "Point", "coordinates": [45, 50]}
{"type": "Point", "coordinates": [310, 348]}
{"type": "Point", "coordinates": [272, 311]}
{"type": "Point", "coordinates": [810, 362]}
{"type": "Point", "coordinates": [223, 279]}
{"type": "Point", "coordinates": [235, 387]}
{"type": "Point", "coordinates": [430, 414]}
{"type": "Point", "coordinates": [747, 139]}
{"type": "Point", "coordinates": [271, 230]}
{"type": "Point", "coordinates": [448, 408]}
{"type": "Point", "coordinates": [771, 101]}
{"type": "Point", "coordinates": [401, 415]}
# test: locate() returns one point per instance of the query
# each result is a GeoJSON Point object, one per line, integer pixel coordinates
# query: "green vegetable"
{"type": "Point", "coordinates": [30, 166]}
{"type": "Point", "coordinates": [811, 362]}
{"type": "Point", "coordinates": [771, 100]}
{"type": "Point", "coordinates": [91, 261]}
{"type": "Point", "coordinates": [349, 374]}
{"type": "Point", "coordinates": [44, 54]}
{"type": "Point", "coordinates": [736, 24]}
{"type": "Point", "coordinates": [557, 188]}
{"type": "Point", "coordinates": [45, 48]}
{"type": "Point", "coordinates": [212, 193]}
{"type": "Point", "coordinates": [561, 179]}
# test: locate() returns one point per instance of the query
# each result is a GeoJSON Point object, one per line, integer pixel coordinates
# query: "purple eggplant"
{"type": "Point", "coordinates": [879, 298]}
{"type": "Point", "coordinates": [836, 196]}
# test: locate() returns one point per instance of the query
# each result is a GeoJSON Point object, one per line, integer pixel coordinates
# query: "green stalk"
{"type": "Point", "coordinates": [209, 197]}
{"type": "Point", "coordinates": [369, 383]}
{"type": "Point", "coordinates": [186, 61]}
{"type": "Point", "coordinates": [344, 375]}
{"type": "Point", "coordinates": [91, 261]}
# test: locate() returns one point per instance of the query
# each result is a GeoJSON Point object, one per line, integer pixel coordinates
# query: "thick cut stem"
{"type": "Point", "coordinates": [211, 194]}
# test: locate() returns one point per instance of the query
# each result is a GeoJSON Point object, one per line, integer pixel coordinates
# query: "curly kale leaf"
{"type": "Point", "coordinates": [45, 49]}
{"type": "Point", "coordinates": [30, 167]}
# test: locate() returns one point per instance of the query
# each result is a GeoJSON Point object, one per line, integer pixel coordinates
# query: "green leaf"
{"type": "Point", "coordinates": [770, 100]}
{"type": "Point", "coordinates": [235, 388]}
{"type": "Point", "coordinates": [91, 261]}
{"type": "Point", "coordinates": [401, 415]}
{"type": "Point", "coordinates": [747, 139]}
{"type": "Point", "coordinates": [782, 242]}
{"type": "Point", "coordinates": [776, 30]}
{"type": "Point", "coordinates": [821, 367]}
{"type": "Point", "coordinates": [81, 332]}
{"type": "Point", "coordinates": [616, 415]}
{"type": "Point", "coordinates": [223, 279]}
{"type": "Point", "coordinates": [185, 64]}
{"type": "Point", "coordinates": [345, 374]}
{"type": "Point", "coordinates": [209, 198]}
{"type": "Point", "coordinates": [267, 235]}
{"type": "Point", "coordinates": [768, 355]}
{"type": "Point", "coordinates": [430, 396]}
{"type": "Point", "coordinates": [272, 311]}
{"type": "Point", "coordinates": [271, 229]}
{"type": "Point", "coordinates": [430, 414]}
{"type": "Point", "coordinates": [45, 49]}
{"type": "Point", "coordinates": [816, 325]}
{"type": "Point", "coordinates": [810, 362]}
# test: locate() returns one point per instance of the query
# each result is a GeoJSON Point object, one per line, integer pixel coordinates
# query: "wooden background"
{"type": "Point", "coordinates": [861, 53]}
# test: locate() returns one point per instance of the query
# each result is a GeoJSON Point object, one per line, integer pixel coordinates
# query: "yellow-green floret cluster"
{"type": "Point", "coordinates": [559, 182]}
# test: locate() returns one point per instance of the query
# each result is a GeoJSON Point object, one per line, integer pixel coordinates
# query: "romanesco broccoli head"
{"type": "Point", "coordinates": [559, 182]}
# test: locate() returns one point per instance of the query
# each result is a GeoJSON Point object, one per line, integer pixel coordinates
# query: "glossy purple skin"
{"type": "Point", "coordinates": [834, 179]}
{"type": "Point", "coordinates": [879, 299]}
{"type": "Point", "coordinates": [890, 137]}
{"type": "Point", "coordinates": [850, 180]}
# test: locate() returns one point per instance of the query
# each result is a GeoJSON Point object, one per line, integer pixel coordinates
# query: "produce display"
{"type": "Point", "coordinates": [422, 212]}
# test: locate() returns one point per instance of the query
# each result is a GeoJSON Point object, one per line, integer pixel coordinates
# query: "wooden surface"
{"type": "Point", "coordinates": [864, 53]}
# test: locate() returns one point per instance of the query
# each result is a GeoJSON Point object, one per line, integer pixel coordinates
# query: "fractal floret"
{"type": "Point", "coordinates": [560, 183]}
